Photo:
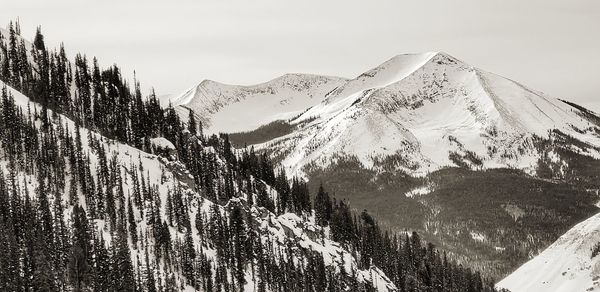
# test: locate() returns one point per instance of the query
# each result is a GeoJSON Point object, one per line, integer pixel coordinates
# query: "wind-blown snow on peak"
{"type": "Point", "coordinates": [391, 71]}
{"type": "Point", "coordinates": [233, 108]}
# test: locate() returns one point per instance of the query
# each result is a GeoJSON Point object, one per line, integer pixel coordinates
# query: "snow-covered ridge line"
{"type": "Point", "coordinates": [186, 96]}
{"type": "Point", "coordinates": [230, 108]}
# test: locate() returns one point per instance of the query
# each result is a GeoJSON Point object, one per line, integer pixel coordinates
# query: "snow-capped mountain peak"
{"type": "Point", "coordinates": [425, 107]}
{"type": "Point", "coordinates": [231, 108]}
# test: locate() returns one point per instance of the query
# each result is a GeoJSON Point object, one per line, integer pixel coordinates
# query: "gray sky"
{"type": "Point", "coordinates": [551, 46]}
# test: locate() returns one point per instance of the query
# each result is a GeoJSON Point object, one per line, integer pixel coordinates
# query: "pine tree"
{"type": "Point", "coordinates": [79, 268]}
{"type": "Point", "coordinates": [38, 40]}
{"type": "Point", "coordinates": [192, 127]}
{"type": "Point", "coordinates": [199, 222]}
{"type": "Point", "coordinates": [150, 282]}
{"type": "Point", "coordinates": [238, 229]}
{"type": "Point", "coordinates": [322, 207]}
{"type": "Point", "coordinates": [9, 249]}
{"type": "Point", "coordinates": [189, 256]}
{"type": "Point", "coordinates": [102, 266]}
{"type": "Point", "coordinates": [122, 275]}
{"type": "Point", "coordinates": [132, 224]}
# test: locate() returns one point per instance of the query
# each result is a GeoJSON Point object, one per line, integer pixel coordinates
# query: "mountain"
{"type": "Point", "coordinates": [569, 264]}
{"type": "Point", "coordinates": [231, 108]}
{"type": "Point", "coordinates": [102, 189]}
{"type": "Point", "coordinates": [488, 169]}
{"type": "Point", "coordinates": [426, 111]}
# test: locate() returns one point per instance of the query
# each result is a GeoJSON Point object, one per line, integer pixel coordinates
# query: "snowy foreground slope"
{"type": "Point", "coordinates": [284, 232]}
{"type": "Point", "coordinates": [231, 108]}
{"type": "Point", "coordinates": [424, 110]}
{"type": "Point", "coordinates": [565, 266]}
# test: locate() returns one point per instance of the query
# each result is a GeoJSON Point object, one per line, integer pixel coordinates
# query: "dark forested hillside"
{"type": "Point", "coordinates": [102, 189]}
{"type": "Point", "coordinates": [494, 219]}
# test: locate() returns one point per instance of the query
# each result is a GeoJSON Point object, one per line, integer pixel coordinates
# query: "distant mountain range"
{"type": "Point", "coordinates": [426, 111]}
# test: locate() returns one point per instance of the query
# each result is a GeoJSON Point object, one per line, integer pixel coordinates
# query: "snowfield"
{"type": "Point", "coordinates": [566, 266]}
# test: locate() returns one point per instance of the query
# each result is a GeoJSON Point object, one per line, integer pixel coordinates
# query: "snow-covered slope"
{"type": "Point", "coordinates": [232, 108]}
{"type": "Point", "coordinates": [427, 111]}
{"type": "Point", "coordinates": [284, 232]}
{"type": "Point", "coordinates": [566, 266]}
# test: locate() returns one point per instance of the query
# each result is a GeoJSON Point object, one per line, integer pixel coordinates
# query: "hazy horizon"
{"type": "Point", "coordinates": [550, 46]}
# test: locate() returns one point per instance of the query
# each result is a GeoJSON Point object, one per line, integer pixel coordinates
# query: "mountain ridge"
{"type": "Point", "coordinates": [210, 99]}
{"type": "Point", "coordinates": [413, 107]}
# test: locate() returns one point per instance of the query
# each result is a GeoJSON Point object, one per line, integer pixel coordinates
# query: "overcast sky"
{"type": "Point", "coordinates": [551, 46]}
